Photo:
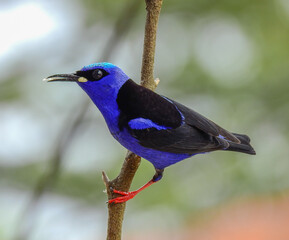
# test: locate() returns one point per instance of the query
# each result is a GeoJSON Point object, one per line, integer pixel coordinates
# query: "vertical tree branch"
{"type": "Point", "coordinates": [131, 163]}
{"type": "Point", "coordinates": [121, 182]}
{"type": "Point", "coordinates": [153, 8]}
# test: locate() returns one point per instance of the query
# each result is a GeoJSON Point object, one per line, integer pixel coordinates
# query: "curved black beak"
{"type": "Point", "coordinates": [65, 78]}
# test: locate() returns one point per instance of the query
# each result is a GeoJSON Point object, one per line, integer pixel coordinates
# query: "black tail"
{"type": "Point", "coordinates": [243, 147]}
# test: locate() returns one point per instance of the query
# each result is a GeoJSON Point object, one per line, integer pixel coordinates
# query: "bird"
{"type": "Point", "coordinates": [152, 126]}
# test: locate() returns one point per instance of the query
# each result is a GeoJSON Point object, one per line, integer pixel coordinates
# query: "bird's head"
{"type": "Point", "coordinates": [101, 81]}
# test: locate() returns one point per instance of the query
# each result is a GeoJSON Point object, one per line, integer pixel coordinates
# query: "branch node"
{"type": "Point", "coordinates": [105, 179]}
{"type": "Point", "coordinates": [157, 81]}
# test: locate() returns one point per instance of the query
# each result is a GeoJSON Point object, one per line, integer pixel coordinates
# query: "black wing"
{"type": "Point", "coordinates": [195, 119]}
{"type": "Point", "coordinates": [181, 130]}
{"type": "Point", "coordinates": [184, 139]}
{"type": "Point", "coordinates": [135, 101]}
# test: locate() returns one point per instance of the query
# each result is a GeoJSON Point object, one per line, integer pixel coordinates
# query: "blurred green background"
{"type": "Point", "coordinates": [228, 60]}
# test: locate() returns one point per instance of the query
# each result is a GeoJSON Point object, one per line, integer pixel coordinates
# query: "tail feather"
{"type": "Point", "coordinates": [243, 138]}
{"type": "Point", "coordinates": [243, 147]}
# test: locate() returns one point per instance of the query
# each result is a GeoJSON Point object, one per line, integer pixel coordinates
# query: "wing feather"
{"type": "Point", "coordinates": [184, 139]}
{"type": "Point", "coordinates": [195, 119]}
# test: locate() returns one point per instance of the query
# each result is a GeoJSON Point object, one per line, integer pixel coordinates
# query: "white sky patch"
{"type": "Point", "coordinates": [23, 136]}
{"type": "Point", "coordinates": [23, 23]}
{"type": "Point", "coordinates": [56, 217]}
{"type": "Point", "coordinates": [223, 50]}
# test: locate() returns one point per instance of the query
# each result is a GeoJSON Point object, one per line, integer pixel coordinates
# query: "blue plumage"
{"type": "Point", "coordinates": [142, 123]}
{"type": "Point", "coordinates": [154, 127]}
{"type": "Point", "coordinates": [98, 65]}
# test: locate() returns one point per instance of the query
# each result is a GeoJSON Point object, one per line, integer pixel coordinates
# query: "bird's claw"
{"type": "Point", "coordinates": [121, 192]}
{"type": "Point", "coordinates": [126, 196]}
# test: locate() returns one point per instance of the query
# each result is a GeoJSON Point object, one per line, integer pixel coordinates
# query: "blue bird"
{"type": "Point", "coordinates": [154, 127]}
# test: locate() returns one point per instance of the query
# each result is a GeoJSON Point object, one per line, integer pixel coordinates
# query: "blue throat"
{"type": "Point", "coordinates": [104, 93]}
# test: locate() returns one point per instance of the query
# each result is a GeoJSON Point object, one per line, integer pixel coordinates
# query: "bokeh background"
{"type": "Point", "coordinates": [228, 60]}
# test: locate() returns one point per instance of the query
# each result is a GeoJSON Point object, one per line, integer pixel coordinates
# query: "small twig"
{"type": "Point", "coordinates": [123, 181]}
{"type": "Point", "coordinates": [156, 83]}
{"type": "Point", "coordinates": [105, 179]}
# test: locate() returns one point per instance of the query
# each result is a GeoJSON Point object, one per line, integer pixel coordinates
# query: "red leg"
{"type": "Point", "coordinates": [129, 195]}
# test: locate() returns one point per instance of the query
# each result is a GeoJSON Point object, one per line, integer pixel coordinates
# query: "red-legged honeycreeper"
{"type": "Point", "coordinates": [154, 127]}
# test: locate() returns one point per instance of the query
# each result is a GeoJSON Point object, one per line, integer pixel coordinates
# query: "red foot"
{"type": "Point", "coordinates": [128, 195]}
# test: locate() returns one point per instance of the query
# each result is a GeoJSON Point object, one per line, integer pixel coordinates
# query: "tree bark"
{"type": "Point", "coordinates": [131, 163]}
